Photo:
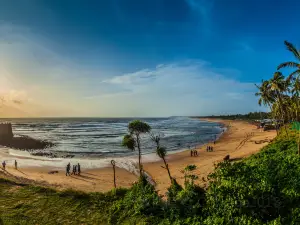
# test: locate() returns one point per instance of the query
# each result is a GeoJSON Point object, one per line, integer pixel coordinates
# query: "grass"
{"type": "Point", "coordinates": [26, 204]}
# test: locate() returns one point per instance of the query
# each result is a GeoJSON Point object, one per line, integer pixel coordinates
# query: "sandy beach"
{"type": "Point", "coordinates": [235, 142]}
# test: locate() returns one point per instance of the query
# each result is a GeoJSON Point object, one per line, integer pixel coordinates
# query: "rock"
{"type": "Point", "coordinates": [25, 143]}
{"type": "Point", "coordinates": [227, 157]}
{"type": "Point", "coordinates": [53, 172]}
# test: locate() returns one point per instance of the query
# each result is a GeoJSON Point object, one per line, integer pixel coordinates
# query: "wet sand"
{"type": "Point", "coordinates": [234, 142]}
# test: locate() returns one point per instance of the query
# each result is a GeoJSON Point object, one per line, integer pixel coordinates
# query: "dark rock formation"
{"type": "Point", "coordinates": [45, 154]}
{"type": "Point", "coordinates": [25, 143]}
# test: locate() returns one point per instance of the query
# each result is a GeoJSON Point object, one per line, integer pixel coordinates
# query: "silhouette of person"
{"type": "Point", "coordinates": [68, 169]}
{"type": "Point", "coordinates": [3, 165]}
{"type": "Point", "coordinates": [79, 170]}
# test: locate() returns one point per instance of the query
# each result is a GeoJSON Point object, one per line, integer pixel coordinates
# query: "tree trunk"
{"type": "Point", "coordinates": [282, 116]}
{"type": "Point", "coordinates": [276, 124]}
{"type": "Point", "coordinates": [298, 142]}
{"type": "Point", "coordinates": [167, 168]}
{"type": "Point", "coordinates": [139, 149]}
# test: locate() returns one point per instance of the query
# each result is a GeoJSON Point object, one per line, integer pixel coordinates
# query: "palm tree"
{"type": "Point", "coordinates": [296, 96]}
{"type": "Point", "coordinates": [296, 99]}
{"type": "Point", "coordinates": [279, 85]}
{"type": "Point", "coordinates": [295, 65]}
{"type": "Point", "coordinates": [161, 152]}
{"type": "Point", "coordinates": [133, 140]}
{"type": "Point", "coordinates": [266, 97]}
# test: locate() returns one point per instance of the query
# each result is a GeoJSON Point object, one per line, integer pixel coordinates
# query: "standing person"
{"type": "Point", "coordinates": [192, 153]}
{"type": "Point", "coordinates": [3, 164]}
{"type": "Point", "coordinates": [73, 170]}
{"type": "Point", "coordinates": [78, 169]}
{"type": "Point", "coordinates": [75, 173]}
{"type": "Point", "coordinates": [68, 169]}
{"type": "Point", "coordinates": [16, 165]}
{"type": "Point", "coordinates": [196, 152]}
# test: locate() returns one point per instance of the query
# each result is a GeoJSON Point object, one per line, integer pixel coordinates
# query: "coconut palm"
{"type": "Point", "coordinates": [295, 65]}
{"type": "Point", "coordinates": [132, 140]}
{"type": "Point", "coordinates": [279, 85]}
{"type": "Point", "coordinates": [266, 97]}
{"type": "Point", "coordinates": [296, 97]}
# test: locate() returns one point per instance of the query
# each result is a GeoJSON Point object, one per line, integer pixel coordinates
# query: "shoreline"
{"type": "Point", "coordinates": [100, 179]}
{"type": "Point", "coordinates": [90, 162]}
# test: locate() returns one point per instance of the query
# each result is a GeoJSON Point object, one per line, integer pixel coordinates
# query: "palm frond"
{"type": "Point", "coordinates": [291, 76]}
{"type": "Point", "coordinates": [288, 64]}
{"type": "Point", "coordinates": [292, 49]}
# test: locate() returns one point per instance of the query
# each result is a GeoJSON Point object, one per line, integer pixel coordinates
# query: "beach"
{"type": "Point", "coordinates": [236, 142]}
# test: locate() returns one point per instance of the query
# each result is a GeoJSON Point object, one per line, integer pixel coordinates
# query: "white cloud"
{"type": "Point", "coordinates": [193, 88]}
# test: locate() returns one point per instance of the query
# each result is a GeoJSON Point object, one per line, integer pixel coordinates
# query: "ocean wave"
{"type": "Point", "coordinates": [104, 136]}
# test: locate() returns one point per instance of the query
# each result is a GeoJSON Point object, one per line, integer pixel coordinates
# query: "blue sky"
{"type": "Point", "coordinates": [140, 57]}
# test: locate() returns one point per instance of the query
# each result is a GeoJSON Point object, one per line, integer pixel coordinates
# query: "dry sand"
{"type": "Point", "coordinates": [234, 142]}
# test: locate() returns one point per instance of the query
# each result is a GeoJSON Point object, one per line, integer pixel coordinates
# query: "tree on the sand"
{"type": "Point", "coordinates": [132, 140]}
{"type": "Point", "coordinates": [161, 152]}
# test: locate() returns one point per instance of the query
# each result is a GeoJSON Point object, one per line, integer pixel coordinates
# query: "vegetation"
{"type": "Point", "coordinates": [248, 116]}
{"type": "Point", "coordinates": [281, 94]}
{"type": "Point", "coordinates": [133, 140]}
{"type": "Point", "coordinates": [161, 152]}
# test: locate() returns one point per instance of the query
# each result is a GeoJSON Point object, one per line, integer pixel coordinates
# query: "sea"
{"type": "Point", "coordinates": [102, 137]}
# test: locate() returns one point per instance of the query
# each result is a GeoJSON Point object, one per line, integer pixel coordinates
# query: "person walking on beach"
{"type": "Point", "coordinates": [195, 152]}
{"type": "Point", "coordinates": [16, 165]}
{"type": "Point", "coordinates": [78, 169]}
{"type": "Point", "coordinates": [74, 170]}
{"type": "Point", "coordinates": [3, 165]}
{"type": "Point", "coordinates": [68, 169]}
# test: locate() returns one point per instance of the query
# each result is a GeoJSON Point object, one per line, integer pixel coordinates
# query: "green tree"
{"type": "Point", "coordinates": [295, 65]}
{"type": "Point", "coordinates": [161, 152]}
{"type": "Point", "coordinates": [189, 177]}
{"type": "Point", "coordinates": [266, 97]}
{"type": "Point", "coordinates": [132, 140]}
{"type": "Point", "coordinates": [279, 86]}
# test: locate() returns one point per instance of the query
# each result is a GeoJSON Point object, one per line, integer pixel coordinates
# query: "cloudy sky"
{"type": "Point", "coordinates": [123, 58]}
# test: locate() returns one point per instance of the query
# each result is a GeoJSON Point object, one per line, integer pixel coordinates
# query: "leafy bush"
{"type": "Point", "coordinates": [140, 200]}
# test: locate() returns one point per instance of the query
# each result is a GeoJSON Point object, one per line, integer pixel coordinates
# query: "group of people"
{"type": "Point", "coordinates": [209, 148]}
{"type": "Point", "coordinates": [4, 165]}
{"type": "Point", "coordinates": [194, 152]}
{"type": "Point", "coordinates": [76, 169]}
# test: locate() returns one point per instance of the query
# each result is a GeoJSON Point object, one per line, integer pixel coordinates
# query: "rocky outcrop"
{"type": "Point", "coordinates": [25, 143]}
